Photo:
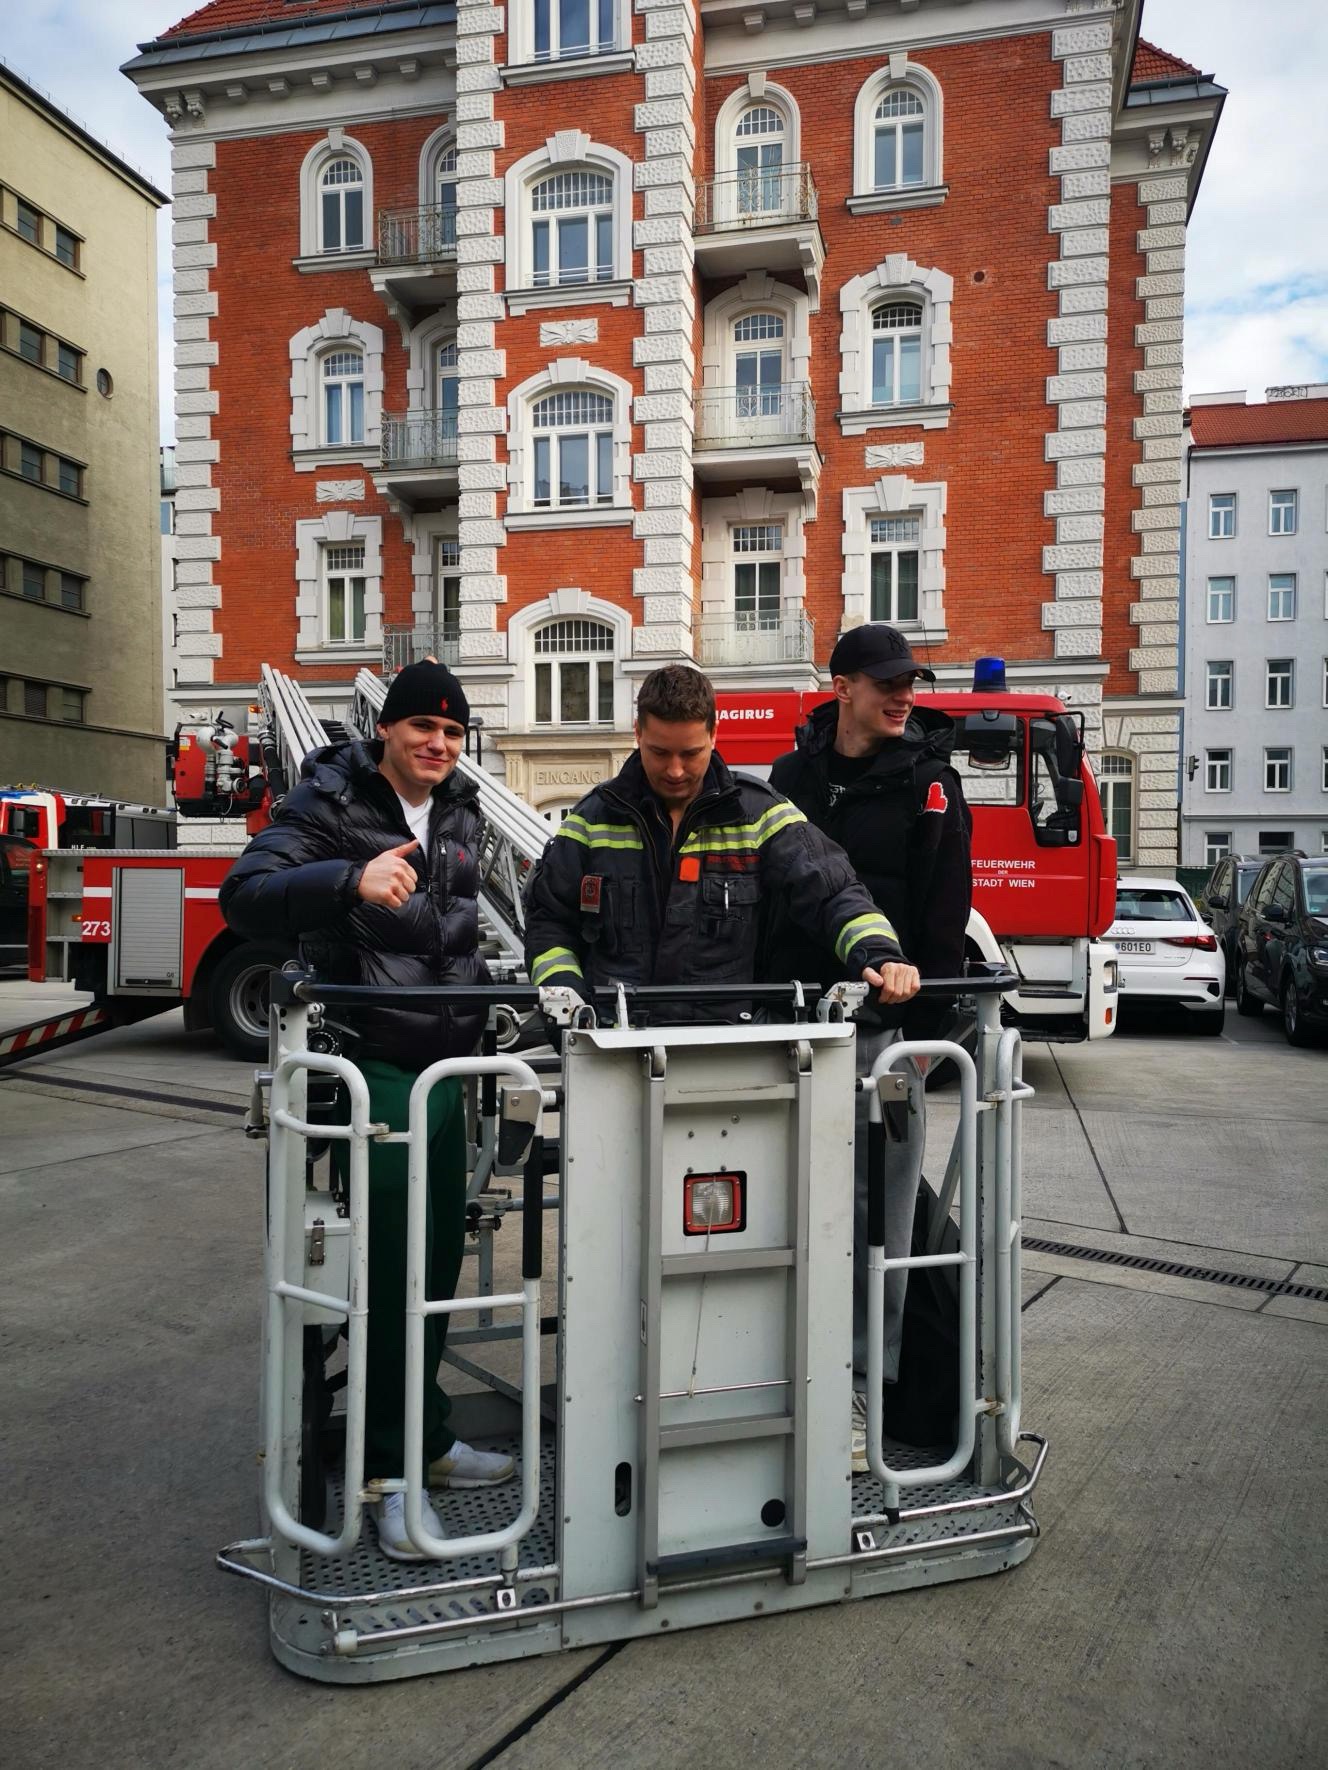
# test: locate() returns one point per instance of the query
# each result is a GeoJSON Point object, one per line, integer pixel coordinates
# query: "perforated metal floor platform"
{"type": "Point", "coordinates": [869, 1500]}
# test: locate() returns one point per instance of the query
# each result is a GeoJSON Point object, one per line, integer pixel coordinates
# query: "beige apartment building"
{"type": "Point", "coordinates": [80, 571]}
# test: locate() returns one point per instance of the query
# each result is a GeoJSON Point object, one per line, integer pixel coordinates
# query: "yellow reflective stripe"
{"type": "Point", "coordinates": [599, 835]}
{"type": "Point", "coordinates": [719, 838]}
{"type": "Point", "coordinates": [860, 928]}
{"type": "Point", "coordinates": [557, 958]}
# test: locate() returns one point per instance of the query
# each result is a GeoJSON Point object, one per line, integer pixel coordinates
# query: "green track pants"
{"type": "Point", "coordinates": [389, 1102]}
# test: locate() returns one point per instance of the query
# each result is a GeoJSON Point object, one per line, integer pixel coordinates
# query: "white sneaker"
{"type": "Point", "coordinates": [859, 1432]}
{"type": "Point", "coordinates": [464, 1466]}
{"type": "Point", "coordinates": [389, 1516]}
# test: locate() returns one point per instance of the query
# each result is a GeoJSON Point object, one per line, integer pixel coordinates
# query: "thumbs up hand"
{"type": "Point", "coordinates": [388, 879]}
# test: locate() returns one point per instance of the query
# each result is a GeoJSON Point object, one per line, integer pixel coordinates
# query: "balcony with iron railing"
{"type": "Point", "coordinates": [407, 645]}
{"type": "Point", "coordinates": [418, 455]}
{"type": "Point", "coordinates": [416, 259]}
{"type": "Point", "coordinates": [762, 218]}
{"type": "Point", "coordinates": [754, 640]}
{"type": "Point", "coordinates": [770, 430]}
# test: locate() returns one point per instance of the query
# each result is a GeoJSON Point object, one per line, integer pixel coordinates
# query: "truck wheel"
{"type": "Point", "coordinates": [238, 997]}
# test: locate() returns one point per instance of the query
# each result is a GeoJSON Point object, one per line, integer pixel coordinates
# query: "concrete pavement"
{"type": "Point", "coordinates": [1171, 1616]}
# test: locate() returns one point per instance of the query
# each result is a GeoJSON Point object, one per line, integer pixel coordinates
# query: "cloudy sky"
{"type": "Point", "coordinates": [1257, 278]}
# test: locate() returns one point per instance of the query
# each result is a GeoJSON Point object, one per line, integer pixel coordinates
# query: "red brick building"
{"type": "Point", "coordinates": [569, 337]}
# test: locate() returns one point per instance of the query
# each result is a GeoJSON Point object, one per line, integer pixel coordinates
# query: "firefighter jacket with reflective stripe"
{"type": "Point", "coordinates": [298, 879]}
{"type": "Point", "coordinates": [619, 896]}
{"type": "Point", "coordinates": [905, 827]}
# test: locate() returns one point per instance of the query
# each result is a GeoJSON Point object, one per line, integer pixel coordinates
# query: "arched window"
{"type": "Point", "coordinates": [897, 126]}
{"type": "Point", "coordinates": [341, 206]}
{"type": "Point", "coordinates": [759, 159]}
{"type": "Point", "coordinates": [574, 673]}
{"type": "Point", "coordinates": [898, 139]}
{"type": "Point", "coordinates": [445, 194]}
{"type": "Point", "coordinates": [571, 229]}
{"type": "Point", "coordinates": [896, 358]}
{"type": "Point", "coordinates": [1116, 776]}
{"type": "Point", "coordinates": [573, 450]}
{"type": "Point", "coordinates": [342, 376]}
{"type": "Point", "coordinates": [445, 378]}
{"type": "Point", "coordinates": [758, 364]}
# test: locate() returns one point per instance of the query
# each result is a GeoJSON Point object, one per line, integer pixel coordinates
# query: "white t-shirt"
{"type": "Point", "coordinates": [417, 819]}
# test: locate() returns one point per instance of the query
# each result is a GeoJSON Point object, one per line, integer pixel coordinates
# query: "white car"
{"type": "Point", "coordinates": [1169, 956]}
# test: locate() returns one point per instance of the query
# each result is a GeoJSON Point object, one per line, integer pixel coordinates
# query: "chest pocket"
{"type": "Point", "coordinates": [614, 923]}
{"type": "Point", "coordinates": [728, 899]}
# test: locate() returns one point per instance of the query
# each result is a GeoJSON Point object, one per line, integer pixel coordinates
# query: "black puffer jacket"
{"type": "Point", "coordinates": [905, 826]}
{"type": "Point", "coordinates": [297, 880]}
{"type": "Point", "coordinates": [619, 897]}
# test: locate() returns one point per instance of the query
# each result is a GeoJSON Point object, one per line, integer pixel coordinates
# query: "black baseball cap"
{"type": "Point", "coordinates": [875, 650]}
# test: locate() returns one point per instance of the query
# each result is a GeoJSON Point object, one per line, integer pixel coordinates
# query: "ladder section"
{"type": "Point", "coordinates": [290, 727]}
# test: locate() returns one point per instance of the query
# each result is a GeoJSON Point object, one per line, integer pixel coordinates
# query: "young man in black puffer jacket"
{"type": "Point", "coordinates": [872, 770]}
{"type": "Point", "coordinates": [372, 865]}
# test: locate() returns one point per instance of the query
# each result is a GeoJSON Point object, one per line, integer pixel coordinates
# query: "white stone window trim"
{"type": "Point", "coordinates": [337, 528]}
{"type": "Point", "coordinates": [443, 138]}
{"type": "Point", "coordinates": [335, 145]}
{"type": "Point", "coordinates": [335, 331]}
{"type": "Point", "coordinates": [567, 372]}
{"type": "Point", "coordinates": [426, 339]}
{"type": "Point", "coordinates": [896, 277]}
{"type": "Point", "coordinates": [525, 70]}
{"type": "Point", "coordinates": [756, 90]}
{"type": "Point", "coordinates": [755, 293]}
{"type": "Point", "coordinates": [899, 71]}
{"type": "Point", "coordinates": [568, 602]}
{"type": "Point", "coordinates": [569, 148]}
{"type": "Point", "coordinates": [753, 506]}
{"type": "Point", "coordinates": [895, 494]}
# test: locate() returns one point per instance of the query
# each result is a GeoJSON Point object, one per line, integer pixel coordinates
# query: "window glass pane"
{"type": "Point", "coordinates": [29, 223]}
{"type": "Point", "coordinates": [354, 218]}
{"type": "Point", "coordinates": [332, 396]}
{"type": "Point", "coordinates": [331, 221]}
{"type": "Point", "coordinates": [544, 693]}
{"type": "Point", "coordinates": [883, 372]}
{"type": "Point", "coordinates": [34, 581]}
{"type": "Point", "coordinates": [356, 391]}
{"type": "Point", "coordinates": [906, 567]}
{"type": "Point", "coordinates": [30, 461]}
{"type": "Point", "coordinates": [66, 246]}
{"type": "Point", "coordinates": [606, 24]}
{"type": "Point", "coordinates": [67, 362]}
{"type": "Point", "coordinates": [543, 489]}
{"type": "Point", "coordinates": [573, 248]}
{"type": "Point", "coordinates": [910, 370]}
{"type": "Point", "coordinates": [604, 468]}
{"type": "Point", "coordinates": [1221, 599]}
{"type": "Point", "coordinates": [1222, 516]}
{"type": "Point", "coordinates": [882, 578]}
{"type": "Point", "coordinates": [573, 470]}
{"type": "Point", "coordinates": [574, 25]}
{"type": "Point", "coordinates": [573, 690]}
{"type": "Point", "coordinates": [542, 34]}
{"type": "Point", "coordinates": [744, 588]}
{"type": "Point", "coordinates": [604, 679]}
{"type": "Point", "coordinates": [540, 253]}
{"type": "Point", "coordinates": [29, 342]}
{"type": "Point", "coordinates": [34, 700]}
{"type": "Point", "coordinates": [71, 591]}
{"type": "Point", "coordinates": [70, 477]}
{"type": "Point", "coordinates": [885, 159]}
{"type": "Point", "coordinates": [71, 705]}
{"type": "Point", "coordinates": [767, 589]}
{"type": "Point", "coordinates": [912, 155]}
{"type": "Point", "coordinates": [357, 608]}
{"type": "Point", "coordinates": [604, 247]}
{"type": "Point", "coordinates": [336, 608]}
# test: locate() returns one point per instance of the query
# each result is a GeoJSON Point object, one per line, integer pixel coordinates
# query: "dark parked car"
{"type": "Point", "coordinates": [1282, 945]}
{"type": "Point", "coordinates": [1220, 901]}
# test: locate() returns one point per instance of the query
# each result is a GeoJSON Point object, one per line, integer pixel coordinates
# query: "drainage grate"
{"type": "Point", "coordinates": [1241, 1281]}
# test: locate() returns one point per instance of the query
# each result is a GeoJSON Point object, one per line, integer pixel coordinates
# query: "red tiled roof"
{"type": "Point", "coordinates": [1152, 63]}
{"type": "Point", "coordinates": [226, 15]}
{"type": "Point", "coordinates": [1280, 421]}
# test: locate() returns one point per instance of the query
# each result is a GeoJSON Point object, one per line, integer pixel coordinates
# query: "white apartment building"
{"type": "Point", "coordinates": [1256, 626]}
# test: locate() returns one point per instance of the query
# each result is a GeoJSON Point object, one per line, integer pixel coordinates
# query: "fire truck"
{"type": "Point", "coordinates": [140, 928]}
{"type": "Point", "coordinates": [1044, 867]}
{"type": "Point", "coordinates": [49, 819]}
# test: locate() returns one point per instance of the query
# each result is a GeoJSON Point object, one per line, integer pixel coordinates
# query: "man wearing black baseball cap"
{"type": "Point", "coordinates": [872, 770]}
{"type": "Point", "coordinates": [372, 866]}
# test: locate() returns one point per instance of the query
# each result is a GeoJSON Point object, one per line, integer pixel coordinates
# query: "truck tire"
{"type": "Point", "coordinates": [238, 997]}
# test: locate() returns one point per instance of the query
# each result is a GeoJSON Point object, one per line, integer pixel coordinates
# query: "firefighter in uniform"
{"type": "Point", "coordinates": [372, 865]}
{"type": "Point", "coordinates": [669, 872]}
{"type": "Point", "coordinates": [872, 770]}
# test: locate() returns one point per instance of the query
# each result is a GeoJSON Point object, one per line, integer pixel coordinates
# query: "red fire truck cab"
{"type": "Point", "coordinates": [1044, 867]}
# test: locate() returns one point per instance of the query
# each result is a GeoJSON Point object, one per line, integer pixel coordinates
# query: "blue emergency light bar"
{"type": "Point", "coordinates": [989, 676]}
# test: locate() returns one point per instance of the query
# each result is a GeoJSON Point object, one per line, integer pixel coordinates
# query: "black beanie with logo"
{"type": "Point", "coordinates": [425, 690]}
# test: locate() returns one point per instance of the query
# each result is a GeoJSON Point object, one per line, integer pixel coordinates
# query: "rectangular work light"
{"type": "Point", "coordinates": [713, 1204]}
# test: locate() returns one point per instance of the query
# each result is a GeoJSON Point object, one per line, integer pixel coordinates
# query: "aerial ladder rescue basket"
{"type": "Point", "coordinates": [690, 1462]}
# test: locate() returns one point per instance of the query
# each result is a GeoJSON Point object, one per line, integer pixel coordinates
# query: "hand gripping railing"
{"type": "Point", "coordinates": [282, 1295]}
{"type": "Point", "coordinates": [418, 1306]}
